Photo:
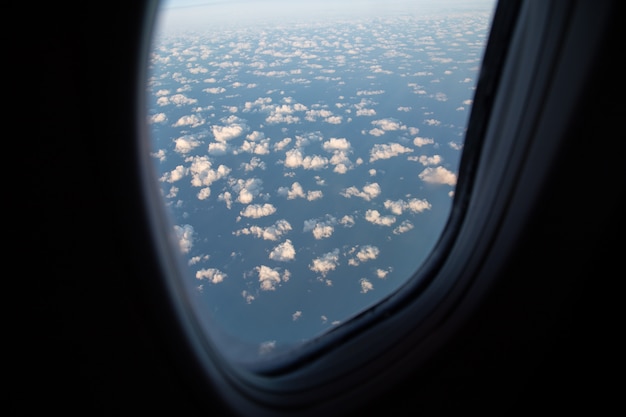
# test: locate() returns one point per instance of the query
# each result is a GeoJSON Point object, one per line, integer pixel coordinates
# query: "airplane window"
{"type": "Point", "coordinates": [307, 155]}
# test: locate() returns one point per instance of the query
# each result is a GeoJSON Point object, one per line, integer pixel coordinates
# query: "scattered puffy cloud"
{"type": "Point", "coordinates": [196, 259]}
{"type": "Point", "coordinates": [387, 150]}
{"type": "Point", "coordinates": [247, 296]}
{"type": "Point", "coordinates": [403, 227]}
{"type": "Point", "coordinates": [363, 254]}
{"type": "Point", "coordinates": [214, 90]}
{"type": "Point", "coordinates": [192, 120]}
{"type": "Point", "coordinates": [296, 191]}
{"type": "Point", "coordinates": [158, 118]}
{"type": "Point", "coordinates": [228, 132]}
{"type": "Point", "coordinates": [186, 144]}
{"type": "Point", "coordinates": [419, 141]}
{"type": "Point", "coordinates": [366, 285]}
{"type": "Point", "coordinates": [321, 228]}
{"type": "Point", "coordinates": [214, 276]}
{"type": "Point", "coordinates": [279, 146]}
{"type": "Point", "coordinates": [273, 232]}
{"type": "Point", "coordinates": [174, 175]}
{"type": "Point", "coordinates": [257, 210]}
{"type": "Point", "coordinates": [177, 100]}
{"type": "Point", "coordinates": [283, 252]}
{"type": "Point", "coordinates": [184, 235]}
{"type": "Point", "coordinates": [202, 172]}
{"type": "Point", "coordinates": [255, 162]}
{"type": "Point", "coordinates": [389, 124]}
{"type": "Point", "coordinates": [340, 147]}
{"type": "Point", "coordinates": [414, 205]}
{"type": "Point", "coordinates": [438, 175]}
{"type": "Point", "coordinates": [369, 191]}
{"type": "Point", "coordinates": [204, 193]}
{"type": "Point", "coordinates": [247, 189]}
{"type": "Point", "coordinates": [325, 263]}
{"type": "Point", "coordinates": [336, 144]}
{"type": "Point", "coordinates": [227, 198]}
{"type": "Point", "coordinates": [295, 159]}
{"type": "Point", "coordinates": [270, 278]}
{"type": "Point", "coordinates": [456, 146]}
{"type": "Point", "coordinates": [382, 273]}
{"type": "Point", "coordinates": [347, 221]}
{"type": "Point", "coordinates": [373, 216]}
{"type": "Point", "coordinates": [370, 92]}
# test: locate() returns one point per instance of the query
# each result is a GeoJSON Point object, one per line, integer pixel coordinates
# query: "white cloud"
{"type": "Point", "coordinates": [279, 146]}
{"type": "Point", "coordinates": [347, 221]}
{"type": "Point", "coordinates": [214, 90]}
{"type": "Point", "coordinates": [314, 195]}
{"type": "Point", "coordinates": [296, 191]}
{"type": "Point", "coordinates": [295, 159]}
{"type": "Point", "coordinates": [456, 146]}
{"type": "Point", "coordinates": [369, 92]}
{"type": "Point", "coordinates": [203, 174]}
{"type": "Point", "coordinates": [255, 162]}
{"type": "Point", "coordinates": [320, 228]}
{"type": "Point", "coordinates": [373, 216]}
{"type": "Point", "coordinates": [370, 191]}
{"type": "Point", "coordinates": [365, 253]}
{"type": "Point", "coordinates": [186, 144]}
{"type": "Point", "coordinates": [227, 198]}
{"type": "Point", "coordinates": [432, 122]}
{"type": "Point", "coordinates": [204, 193]}
{"type": "Point", "coordinates": [366, 112]}
{"type": "Point", "coordinates": [283, 252]}
{"type": "Point", "coordinates": [382, 273]}
{"type": "Point", "coordinates": [247, 296]}
{"type": "Point", "coordinates": [419, 141]}
{"type": "Point", "coordinates": [269, 278]}
{"type": "Point", "coordinates": [377, 132]}
{"type": "Point", "coordinates": [334, 120]}
{"type": "Point", "coordinates": [415, 205]}
{"type": "Point", "coordinates": [438, 175]}
{"type": "Point", "coordinates": [387, 150]}
{"type": "Point", "coordinates": [181, 100]}
{"type": "Point", "coordinates": [184, 234]}
{"type": "Point", "coordinates": [273, 232]}
{"type": "Point", "coordinates": [247, 189]}
{"type": "Point", "coordinates": [366, 285]}
{"type": "Point", "coordinates": [257, 210]}
{"type": "Point", "coordinates": [158, 118]}
{"type": "Point", "coordinates": [325, 263]}
{"type": "Point", "coordinates": [174, 175]}
{"type": "Point", "coordinates": [191, 120]}
{"type": "Point", "coordinates": [403, 227]}
{"type": "Point", "coordinates": [226, 133]}
{"type": "Point", "coordinates": [336, 144]}
{"type": "Point", "coordinates": [214, 276]}
{"type": "Point", "coordinates": [218, 148]}
{"type": "Point", "coordinates": [389, 124]}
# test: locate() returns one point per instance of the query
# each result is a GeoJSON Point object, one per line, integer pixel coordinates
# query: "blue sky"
{"type": "Point", "coordinates": [196, 13]}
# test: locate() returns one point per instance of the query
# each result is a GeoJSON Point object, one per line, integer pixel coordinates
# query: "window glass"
{"type": "Point", "coordinates": [307, 153]}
